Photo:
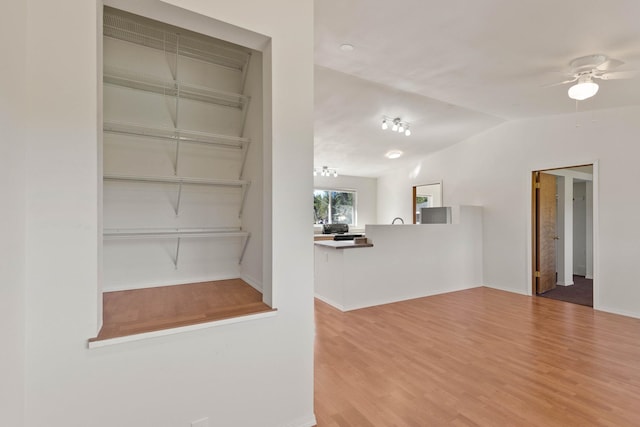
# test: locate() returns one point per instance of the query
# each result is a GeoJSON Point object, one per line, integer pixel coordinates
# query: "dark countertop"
{"type": "Point", "coordinates": [343, 244]}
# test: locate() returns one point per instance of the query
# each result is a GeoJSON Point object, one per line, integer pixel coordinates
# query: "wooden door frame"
{"type": "Point", "coordinates": [531, 227]}
{"type": "Point", "coordinates": [413, 198]}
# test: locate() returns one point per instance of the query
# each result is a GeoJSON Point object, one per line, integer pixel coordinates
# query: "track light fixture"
{"type": "Point", "coordinates": [325, 171]}
{"type": "Point", "coordinates": [397, 125]}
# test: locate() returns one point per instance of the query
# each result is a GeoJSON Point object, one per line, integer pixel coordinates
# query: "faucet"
{"type": "Point", "coordinates": [394, 220]}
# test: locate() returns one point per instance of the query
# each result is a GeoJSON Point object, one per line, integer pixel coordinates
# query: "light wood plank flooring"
{"type": "Point", "coordinates": [151, 309]}
{"type": "Point", "coordinates": [479, 357]}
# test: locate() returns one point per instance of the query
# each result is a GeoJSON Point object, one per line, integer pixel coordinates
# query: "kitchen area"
{"type": "Point", "coordinates": [395, 262]}
{"type": "Point", "coordinates": [378, 260]}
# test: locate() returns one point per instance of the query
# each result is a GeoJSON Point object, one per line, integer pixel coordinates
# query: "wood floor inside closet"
{"type": "Point", "coordinates": [151, 309]}
{"type": "Point", "coordinates": [479, 357]}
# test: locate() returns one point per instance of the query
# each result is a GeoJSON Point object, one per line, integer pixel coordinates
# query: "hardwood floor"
{"type": "Point", "coordinates": [479, 357]}
{"type": "Point", "coordinates": [151, 309]}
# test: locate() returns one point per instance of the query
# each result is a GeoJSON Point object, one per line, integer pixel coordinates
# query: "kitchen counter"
{"type": "Point", "coordinates": [342, 244]}
{"type": "Point", "coordinates": [408, 261]}
{"type": "Point", "coordinates": [319, 237]}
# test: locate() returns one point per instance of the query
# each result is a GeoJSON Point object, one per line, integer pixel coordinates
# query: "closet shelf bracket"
{"type": "Point", "coordinates": [245, 190]}
{"type": "Point", "coordinates": [244, 248]}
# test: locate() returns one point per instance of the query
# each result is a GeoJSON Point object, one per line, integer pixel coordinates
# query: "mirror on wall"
{"type": "Point", "coordinates": [426, 196]}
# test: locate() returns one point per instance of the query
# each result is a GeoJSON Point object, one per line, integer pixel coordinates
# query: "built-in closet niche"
{"type": "Point", "coordinates": [182, 156]}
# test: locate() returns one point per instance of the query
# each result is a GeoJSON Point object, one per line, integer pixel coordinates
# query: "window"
{"type": "Point", "coordinates": [334, 207]}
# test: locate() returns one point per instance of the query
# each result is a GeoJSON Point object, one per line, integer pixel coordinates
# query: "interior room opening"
{"type": "Point", "coordinates": [562, 233]}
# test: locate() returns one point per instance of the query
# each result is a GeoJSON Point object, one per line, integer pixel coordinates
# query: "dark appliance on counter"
{"type": "Point", "coordinates": [335, 228]}
{"type": "Point", "coordinates": [340, 231]}
{"type": "Point", "coordinates": [346, 236]}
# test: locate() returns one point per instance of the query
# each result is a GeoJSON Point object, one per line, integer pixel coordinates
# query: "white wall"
{"type": "Point", "coordinates": [493, 170]}
{"type": "Point", "coordinates": [580, 228]}
{"type": "Point", "coordinates": [245, 374]}
{"type": "Point", "coordinates": [590, 231]}
{"type": "Point", "coordinates": [402, 197]}
{"type": "Point", "coordinates": [564, 230]}
{"type": "Point", "coordinates": [252, 216]}
{"type": "Point", "coordinates": [13, 17]}
{"type": "Point", "coordinates": [367, 189]}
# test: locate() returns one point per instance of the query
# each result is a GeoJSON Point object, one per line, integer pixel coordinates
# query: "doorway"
{"type": "Point", "coordinates": [426, 196]}
{"type": "Point", "coordinates": [562, 234]}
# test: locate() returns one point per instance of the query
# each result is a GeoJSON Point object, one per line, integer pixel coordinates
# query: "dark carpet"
{"type": "Point", "coordinates": [581, 292]}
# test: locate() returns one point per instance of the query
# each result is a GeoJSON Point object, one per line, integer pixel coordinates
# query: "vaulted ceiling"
{"type": "Point", "coordinates": [454, 69]}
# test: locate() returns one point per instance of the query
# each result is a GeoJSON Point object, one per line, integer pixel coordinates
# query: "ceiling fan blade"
{"type": "Point", "coordinates": [618, 75]}
{"type": "Point", "coordinates": [609, 64]}
{"type": "Point", "coordinates": [561, 83]}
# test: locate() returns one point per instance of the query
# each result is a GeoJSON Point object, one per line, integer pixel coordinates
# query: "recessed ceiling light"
{"type": "Point", "coordinates": [346, 47]}
{"type": "Point", "coordinates": [393, 154]}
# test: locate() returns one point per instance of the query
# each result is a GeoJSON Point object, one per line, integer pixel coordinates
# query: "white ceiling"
{"type": "Point", "coordinates": [453, 69]}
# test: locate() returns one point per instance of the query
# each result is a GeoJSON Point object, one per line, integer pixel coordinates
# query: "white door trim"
{"type": "Point", "coordinates": [596, 235]}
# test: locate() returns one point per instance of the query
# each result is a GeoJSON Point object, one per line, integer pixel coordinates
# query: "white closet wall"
{"type": "Point", "coordinates": [176, 157]}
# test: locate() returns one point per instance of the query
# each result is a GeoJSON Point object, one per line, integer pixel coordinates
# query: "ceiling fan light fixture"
{"type": "Point", "coordinates": [583, 89]}
{"type": "Point", "coordinates": [385, 126]}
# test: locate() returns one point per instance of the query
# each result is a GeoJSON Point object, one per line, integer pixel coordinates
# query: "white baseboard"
{"type": "Point", "coordinates": [625, 313]}
{"type": "Point", "coordinates": [144, 285]}
{"type": "Point", "coordinates": [330, 302]}
{"type": "Point", "coordinates": [565, 284]}
{"type": "Point", "coordinates": [430, 293]}
{"type": "Point", "coordinates": [309, 421]}
{"type": "Point", "coordinates": [515, 291]}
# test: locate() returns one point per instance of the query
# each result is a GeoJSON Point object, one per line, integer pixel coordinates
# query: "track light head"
{"type": "Point", "coordinates": [397, 125]}
{"type": "Point", "coordinates": [325, 171]}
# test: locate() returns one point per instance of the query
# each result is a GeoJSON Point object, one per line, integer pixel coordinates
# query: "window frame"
{"type": "Point", "coordinates": [340, 190]}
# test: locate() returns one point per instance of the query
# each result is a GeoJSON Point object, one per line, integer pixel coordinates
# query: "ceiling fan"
{"type": "Point", "coordinates": [585, 69]}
